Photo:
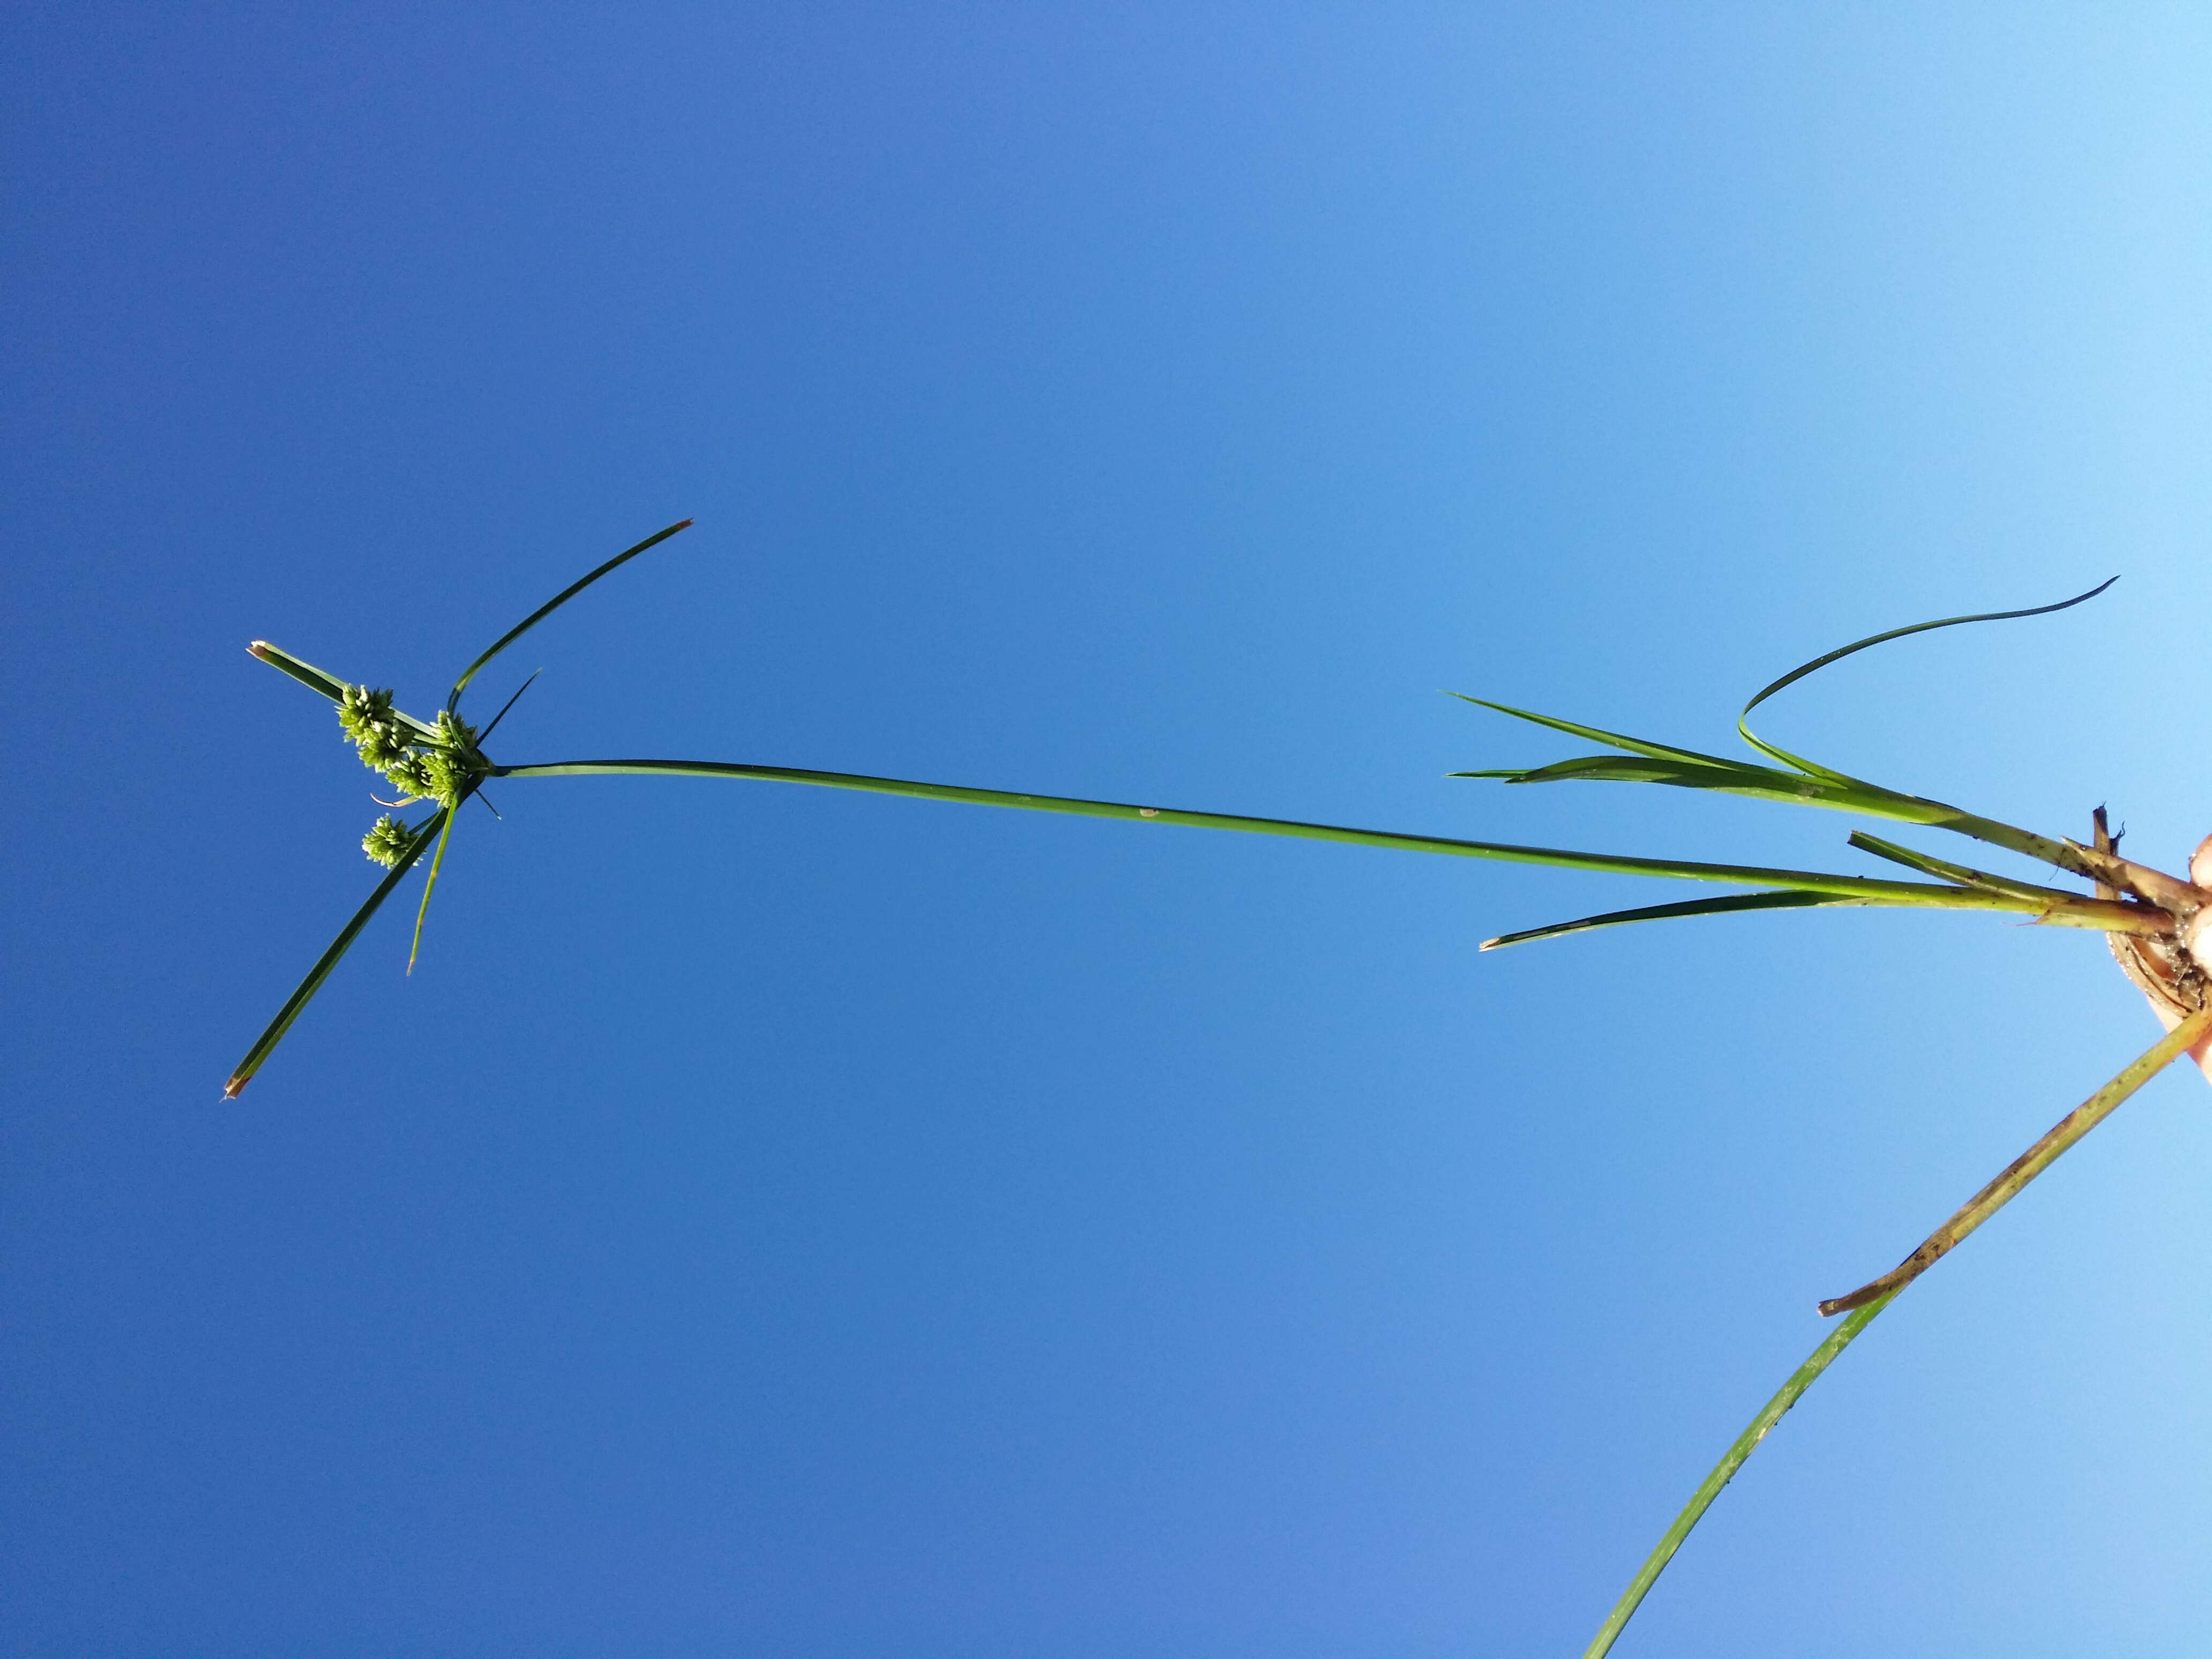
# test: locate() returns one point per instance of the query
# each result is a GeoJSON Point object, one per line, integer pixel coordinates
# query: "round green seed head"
{"type": "Point", "coordinates": [410, 775]}
{"type": "Point", "coordinates": [455, 734]}
{"type": "Point", "coordinates": [362, 708]}
{"type": "Point", "coordinates": [388, 840]}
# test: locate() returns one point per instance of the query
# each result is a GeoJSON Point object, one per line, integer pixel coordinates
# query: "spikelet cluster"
{"type": "Point", "coordinates": [441, 765]}
{"type": "Point", "coordinates": [388, 840]}
{"type": "Point", "coordinates": [373, 727]}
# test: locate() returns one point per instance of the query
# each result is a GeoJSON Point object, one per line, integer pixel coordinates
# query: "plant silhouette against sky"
{"type": "Point", "coordinates": [2151, 920]}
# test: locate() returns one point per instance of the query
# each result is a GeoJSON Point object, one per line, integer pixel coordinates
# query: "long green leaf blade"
{"type": "Point", "coordinates": [2083, 914]}
{"type": "Point", "coordinates": [313, 983]}
{"type": "Point", "coordinates": [1709, 906]}
{"type": "Point", "coordinates": [1861, 1306]}
{"type": "Point", "coordinates": [454, 699]}
{"type": "Point", "coordinates": [1638, 769]}
{"type": "Point", "coordinates": [1633, 746]}
{"type": "Point", "coordinates": [1685, 768]}
{"type": "Point", "coordinates": [1724, 1471]}
{"type": "Point", "coordinates": [1819, 662]}
{"type": "Point", "coordinates": [1729, 778]}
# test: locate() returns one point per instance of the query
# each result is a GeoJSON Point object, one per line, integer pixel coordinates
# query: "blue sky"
{"type": "Point", "coordinates": [777, 1221]}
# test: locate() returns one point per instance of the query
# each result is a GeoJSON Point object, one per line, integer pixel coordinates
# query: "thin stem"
{"type": "Point", "coordinates": [2103, 916]}
{"type": "Point", "coordinates": [1724, 1471]}
{"type": "Point", "coordinates": [2031, 1163]}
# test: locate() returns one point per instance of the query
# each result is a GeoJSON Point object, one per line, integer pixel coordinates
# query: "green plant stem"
{"type": "Point", "coordinates": [2104, 915]}
{"type": "Point", "coordinates": [2033, 1162]}
{"type": "Point", "coordinates": [1724, 1471]}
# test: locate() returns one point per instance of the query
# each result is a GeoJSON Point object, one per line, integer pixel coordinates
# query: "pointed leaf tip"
{"type": "Point", "coordinates": [453, 697]}
{"type": "Point", "coordinates": [266, 1044]}
{"type": "Point", "coordinates": [1812, 769]}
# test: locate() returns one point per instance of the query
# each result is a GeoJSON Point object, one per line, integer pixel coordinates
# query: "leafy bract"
{"type": "Point", "coordinates": [453, 698]}
{"type": "Point", "coordinates": [313, 983]}
{"type": "Point", "coordinates": [430, 887]}
{"type": "Point", "coordinates": [329, 684]}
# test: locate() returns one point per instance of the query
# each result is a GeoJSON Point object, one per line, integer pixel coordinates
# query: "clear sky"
{"type": "Point", "coordinates": [773, 1221]}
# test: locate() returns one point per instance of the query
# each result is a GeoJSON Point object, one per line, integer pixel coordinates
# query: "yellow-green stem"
{"type": "Point", "coordinates": [2031, 1163]}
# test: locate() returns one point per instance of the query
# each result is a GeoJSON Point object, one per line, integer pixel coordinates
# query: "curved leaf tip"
{"type": "Point", "coordinates": [1819, 662]}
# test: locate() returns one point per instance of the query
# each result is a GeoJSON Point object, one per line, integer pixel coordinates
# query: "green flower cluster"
{"type": "Point", "coordinates": [442, 764]}
{"type": "Point", "coordinates": [374, 728]}
{"type": "Point", "coordinates": [388, 840]}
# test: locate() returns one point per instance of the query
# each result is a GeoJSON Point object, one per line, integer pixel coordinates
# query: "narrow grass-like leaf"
{"type": "Point", "coordinates": [1862, 1305]}
{"type": "Point", "coordinates": [1824, 660]}
{"type": "Point", "coordinates": [421, 910]}
{"type": "Point", "coordinates": [2033, 1162]}
{"type": "Point", "coordinates": [2079, 912]}
{"type": "Point", "coordinates": [1709, 906]}
{"type": "Point", "coordinates": [321, 971]}
{"type": "Point", "coordinates": [1872, 640]}
{"type": "Point", "coordinates": [453, 700]}
{"type": "Point", "coordinates": [1964, 875]}
{"type": "Point", "coordinates": [1722, 777]}
{"type": "Point", "coordinates": [1724, 1471]}
{"type": "Point", "coordinates": [1633, 746]}
{"type": "Point", "coordinates": [316, 680]}
{"type": "Point", "coordinates": [1638, 769]}
{"type": "Point", "coordinates": [1690, 769]}
{"type": "Point", "coordinates": [1685, 770]}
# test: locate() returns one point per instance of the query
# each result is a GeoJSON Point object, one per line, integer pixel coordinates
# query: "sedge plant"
{"type": "Point", "coordinates": [2158, 926]}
